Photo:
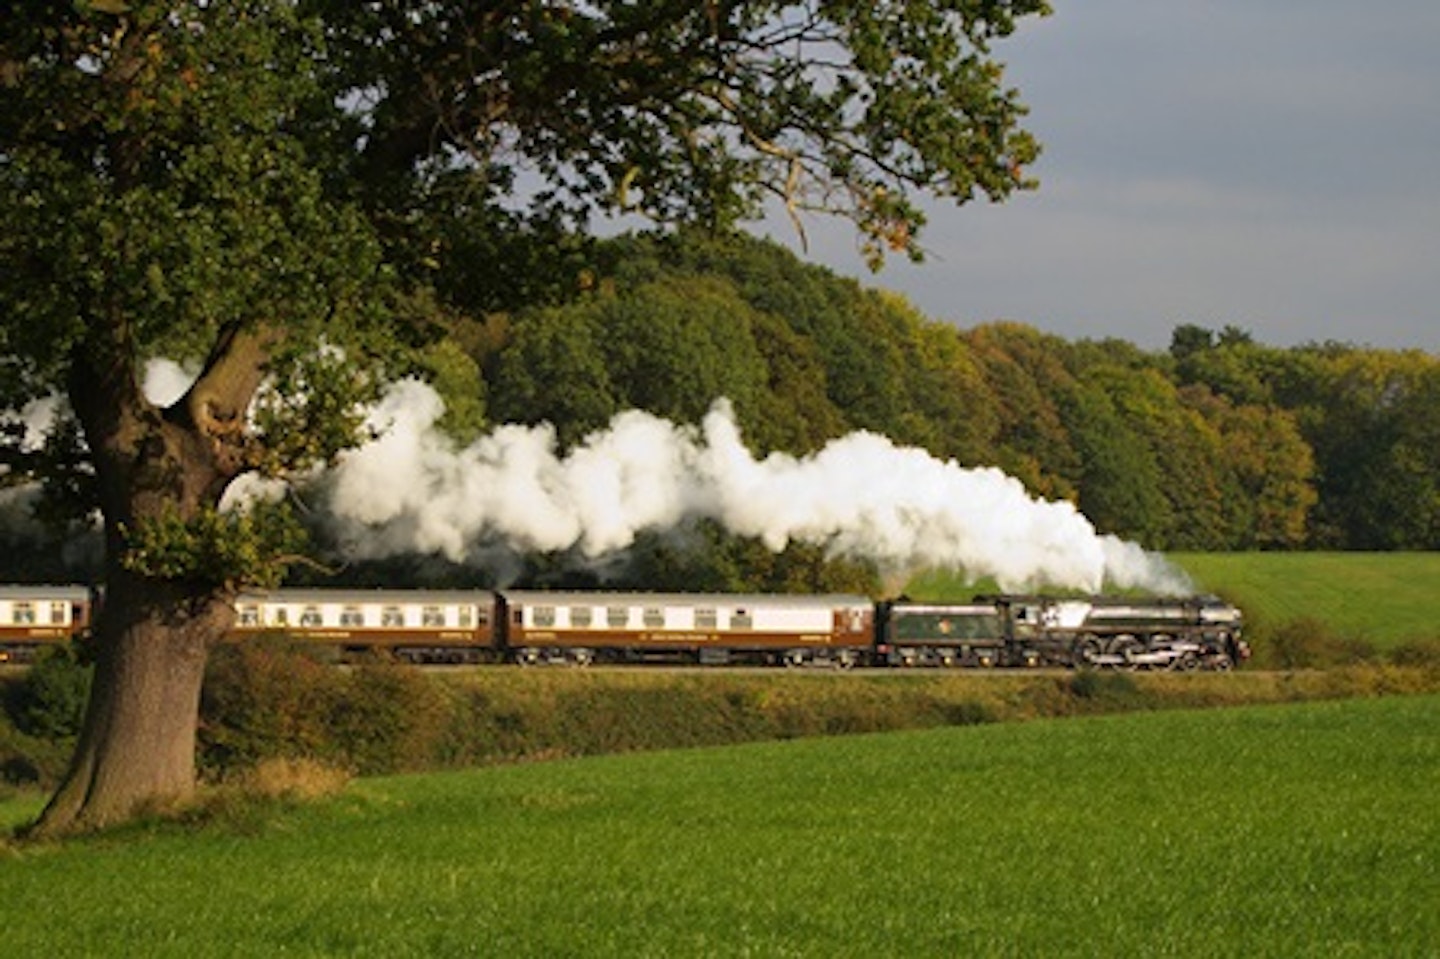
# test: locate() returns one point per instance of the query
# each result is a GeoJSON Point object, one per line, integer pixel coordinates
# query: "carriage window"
{"type": "Point", "coordinates": [23, 613]}
{"type": "Point", "coordinates": [310, 616]}
{"type": "Point", "coordinates": [249, 615]}
{"type": "Point", "coordinates": [544, 615]}
{"type": "Point", "coordinates": [432, 616]}
{"type": "Point", "coordinates": [705, 618]}
{"type": "Point", "coordinates": [352, 616]}
{"type": "Point", "coordinates": [282, 616]}
{"type": "Point", "coordinates": [616, 616]}
{"type": "Point", "coordinates": [465, 617]}
{"type": "Point", "coordinates": [654, 617]}
{"type": "Point", "coordinates": [580, 616]}
{"type": "Point", "coordinates": [392, 616]}
{"type": "Point", "coordinates": [741, 619]}
{"type": "Point", "coordinates": [58, 611]}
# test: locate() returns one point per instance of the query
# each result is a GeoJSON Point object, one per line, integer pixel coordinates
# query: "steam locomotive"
{"type": "Point", "coordinates": [534, 627]}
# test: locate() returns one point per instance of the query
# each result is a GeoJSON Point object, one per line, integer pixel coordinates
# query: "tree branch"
{"type": "Point", "coordinates": [216, 403]}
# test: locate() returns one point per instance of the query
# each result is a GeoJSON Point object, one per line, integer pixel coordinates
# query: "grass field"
{"type": "Point", "coordinates": [1384, 598]}
{"type": "Point", "coordinates": [1305, 830]}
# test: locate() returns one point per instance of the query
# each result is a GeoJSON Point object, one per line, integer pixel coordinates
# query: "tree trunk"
{"type": "Point", "coordinates": [137, 748]}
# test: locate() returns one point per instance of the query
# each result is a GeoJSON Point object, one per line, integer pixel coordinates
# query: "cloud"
{"type": "Point", "coordinates": [1259, 163]}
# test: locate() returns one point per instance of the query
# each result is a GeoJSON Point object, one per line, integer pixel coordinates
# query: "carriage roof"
{"type": "Point", "coordinates": [44, 593]}
{"type": "Point", "coordinates": [632, 598]}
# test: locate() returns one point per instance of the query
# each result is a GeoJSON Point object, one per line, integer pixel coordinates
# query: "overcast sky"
{"type": "Point", "coordinates": [1272, 164]}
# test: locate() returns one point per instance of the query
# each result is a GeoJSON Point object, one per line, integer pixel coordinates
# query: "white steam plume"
{"type": "Point", "coordinates": [165, 381]}
{"type": "Point", "coordinates": [412, 490]}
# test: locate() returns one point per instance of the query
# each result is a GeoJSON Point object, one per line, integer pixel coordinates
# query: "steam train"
{"type": "Point", "coordinates": [534, 627]}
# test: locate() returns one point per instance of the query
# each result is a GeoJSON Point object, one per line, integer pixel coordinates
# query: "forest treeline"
{"type": "Point", "coordinates": [1218, 443]}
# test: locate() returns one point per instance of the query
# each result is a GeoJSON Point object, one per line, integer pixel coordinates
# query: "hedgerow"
{"type": "Point", "coordinates": [278, 703]}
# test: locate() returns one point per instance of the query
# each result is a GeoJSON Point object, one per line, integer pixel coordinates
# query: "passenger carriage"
{"type": "Point", "coordinates": [32, 617]}
{"type": "Point", "coordinates": [419, 626]}
{"type": "Point", "coordinates": [584, 627]}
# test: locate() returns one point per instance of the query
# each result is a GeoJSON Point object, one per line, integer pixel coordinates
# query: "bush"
{"type": "Point", "coordinates": [49, 700]}
{"type": "Point", "coordinates": [1422, 653]}
{"type": "Point", "coordinates": [1308, 643]}
{"type": "Point", "coordinates": [263, 700]}
{"type": "Point", "coordinates": [387, 717]}
{"type": "Point", "coordinates": [1096, 686]}
{"type": "Point", "coordinates": [966, 712]}
{"type": "Point", "coordinates": [277, 700]}
{"type": "Point", "coordinates": [27, 761]}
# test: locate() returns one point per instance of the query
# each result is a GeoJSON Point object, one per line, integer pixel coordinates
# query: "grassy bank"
{"type": "Point", "coordinates": [1262, 831]}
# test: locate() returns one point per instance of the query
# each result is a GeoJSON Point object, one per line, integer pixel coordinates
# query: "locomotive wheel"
{"type": "Point", "coordinates": [1126, 647]}
{"type": "Point", "coordinates": [1088, 650]}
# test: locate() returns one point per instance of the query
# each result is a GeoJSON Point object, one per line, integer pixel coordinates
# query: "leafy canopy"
{"type": "Point", "coordinates": [295, 193]}
{"type": "Point", "coordinates": [163, 189]}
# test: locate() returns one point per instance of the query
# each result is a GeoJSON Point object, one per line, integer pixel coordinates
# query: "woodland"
{"type": "Point", "coordinates": [1218, 443]}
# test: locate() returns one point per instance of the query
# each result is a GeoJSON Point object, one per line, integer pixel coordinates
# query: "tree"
{"type": "Point", "coordinates": [1232, 364]}
{"type": "Point", "coordinates": [1375, 441]}
{"type": "Point", "coordinates": [1025, 375]}
{"type": "Point", "coordinates": [1121, 484]}
{"type": "Point", "coordinates": [279, 190]}
{"type": "Point", "coordinates": [1269, 467]}
{"type": "Point", "coordinates": [552, 371]}
{"type": "Point", "coordinates": [1183, 463]}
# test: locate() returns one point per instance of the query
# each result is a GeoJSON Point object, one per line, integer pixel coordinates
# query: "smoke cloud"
{"type": "Point", "coordinates": [412, 490]}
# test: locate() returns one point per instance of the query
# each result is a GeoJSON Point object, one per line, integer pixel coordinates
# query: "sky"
{"type": "Point", "coordinates": [1268, 164]}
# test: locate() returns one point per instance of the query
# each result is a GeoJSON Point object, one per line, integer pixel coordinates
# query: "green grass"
{"type": "Point", "coordinates": [1304, 830]}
